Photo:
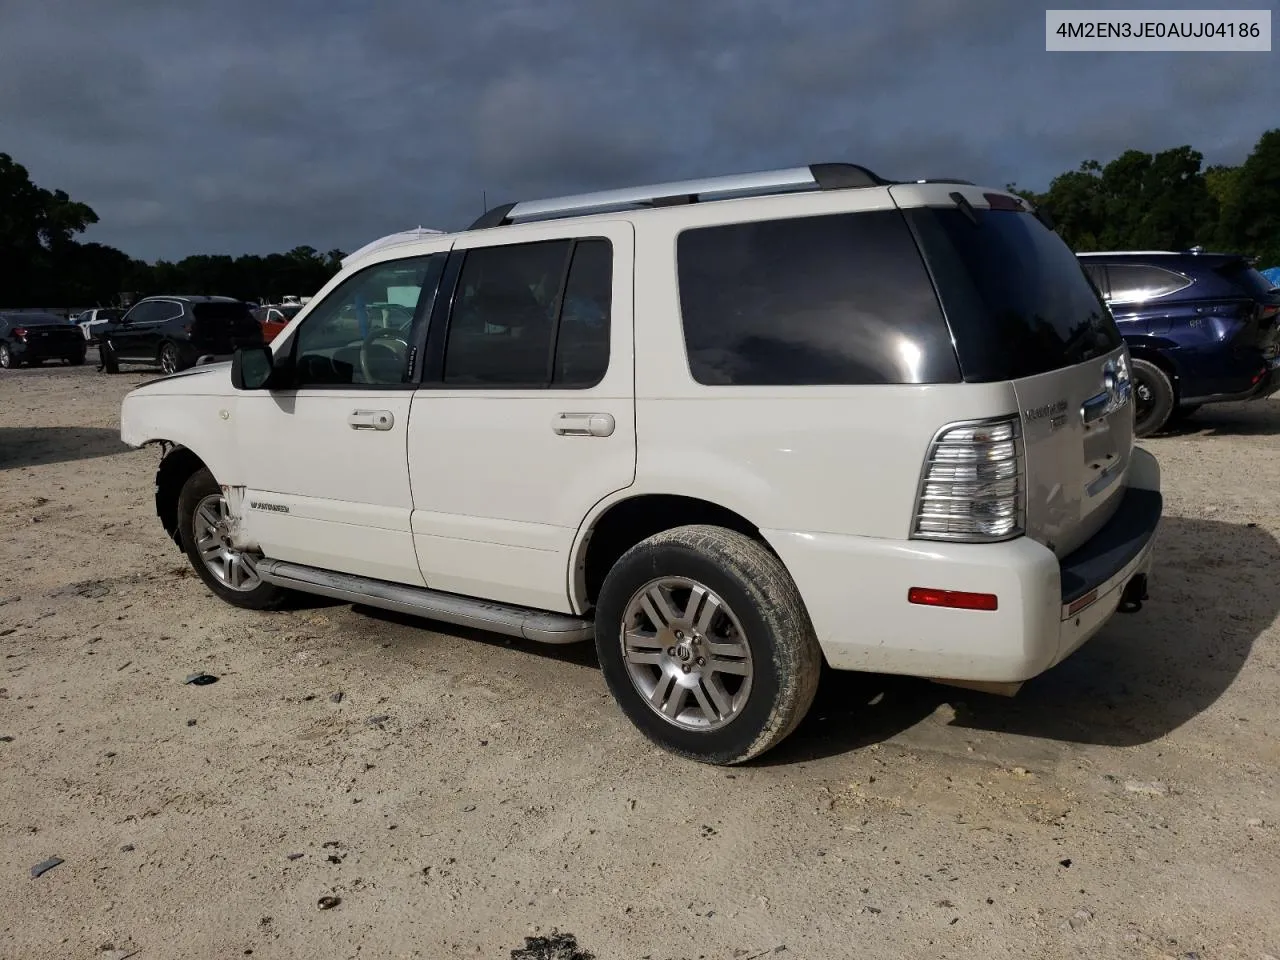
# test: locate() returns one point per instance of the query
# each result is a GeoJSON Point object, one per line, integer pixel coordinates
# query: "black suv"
{"type": "Point", "coordinates": [177, 331]}
{"type": "Point", "coordinates": [35, 337]}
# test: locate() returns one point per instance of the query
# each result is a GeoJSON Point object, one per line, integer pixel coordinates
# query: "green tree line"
{"type": "Point", "coordinates": [1170, 201]}
{"type": "Point", "coordinates": [1137, 201]}
{"type": "Point", "coordinates": [42, 264]}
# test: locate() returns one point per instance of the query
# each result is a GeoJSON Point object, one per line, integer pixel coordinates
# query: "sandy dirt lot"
{"type": "Point", "coordinates": [465, 792]}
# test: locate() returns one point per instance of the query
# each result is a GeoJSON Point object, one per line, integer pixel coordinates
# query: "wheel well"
{"type": "Point", "coordinates": [625, 524]}
{"type": "Point", "coordinates": [174, 470]}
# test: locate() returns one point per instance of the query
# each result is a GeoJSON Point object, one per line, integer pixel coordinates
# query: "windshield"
{"type": "Point", "coordinates": [1016, 297]}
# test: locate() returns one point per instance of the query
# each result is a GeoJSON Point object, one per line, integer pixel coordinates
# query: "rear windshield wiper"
{"type": "Point", "coordinates": [965, 206]}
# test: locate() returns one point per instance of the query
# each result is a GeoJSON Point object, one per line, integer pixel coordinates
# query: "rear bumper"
{"type": "Point", "coordinates": [67, 349]}
{"type": "Point", "coordinates": [856, 588]}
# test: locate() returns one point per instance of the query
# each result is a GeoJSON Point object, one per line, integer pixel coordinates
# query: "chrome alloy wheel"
{"type": "Point", "coordinates": [686, 653]}
{"type": "Point", "coordinates": [211, 525]}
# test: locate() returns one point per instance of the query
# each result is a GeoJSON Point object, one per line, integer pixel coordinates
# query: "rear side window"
{"type": "Point", "coordinates": [835, 299]}
{"type": "Point", "coordinates": [1137, 283]}
{"type": "Point", "coordinates": [1017, 300]}
{"type": "Point", "coordinates": [532, 315]}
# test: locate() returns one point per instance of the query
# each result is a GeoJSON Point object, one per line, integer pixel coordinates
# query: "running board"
{"type": "Point", "coordinates": [540, 626]}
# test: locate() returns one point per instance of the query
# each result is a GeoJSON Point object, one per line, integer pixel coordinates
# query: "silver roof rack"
{"type": "Point", "coordinates": [817, 176]}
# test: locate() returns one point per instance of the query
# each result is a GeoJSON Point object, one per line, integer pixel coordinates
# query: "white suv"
{"type": "Point", "coordinates": [731, 428]}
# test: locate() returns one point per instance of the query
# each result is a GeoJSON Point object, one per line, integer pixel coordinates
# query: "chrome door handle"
{"type": "Point", "coordinates": [583, 424]}
{"type": "Point", "coordinates": [370, 420]}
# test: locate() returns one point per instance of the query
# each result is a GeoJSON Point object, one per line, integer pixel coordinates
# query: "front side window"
{"type": "Point", "coordinates": [363, 331]}
{"type": "Point", "coordinates": [532, 315]}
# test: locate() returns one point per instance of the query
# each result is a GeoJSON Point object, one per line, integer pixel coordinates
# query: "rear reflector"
{"type": "Point", "coordinates": [956, 599]}
{"type": "Point", "coordinates": [1078, 605]}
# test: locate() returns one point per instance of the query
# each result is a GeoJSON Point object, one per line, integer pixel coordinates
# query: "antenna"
{"type": "Point", "coordinates": [484, 200]}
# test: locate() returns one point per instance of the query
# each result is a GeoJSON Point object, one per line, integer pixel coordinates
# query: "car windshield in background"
{"type": "Point", "coordinates": [1247, 279]}
{"type": "Point", "coordinates": [1016, 297]}
{"type": "Point", "coordinates": [222, 311]}
{"type": "Point", "coordinates": [37, 320]}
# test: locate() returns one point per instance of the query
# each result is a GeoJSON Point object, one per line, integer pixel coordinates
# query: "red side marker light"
{"type": "Point", "coordinates": [955, 599]}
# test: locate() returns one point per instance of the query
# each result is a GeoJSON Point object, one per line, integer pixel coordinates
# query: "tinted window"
{"type": "Point", "coordinates": [1017, 299]}
{"type": "Point", "coordinates": [221, 313]}
{"type": "Point", "coordinates": [504, 315]}
{"type": "Point", "coordinates": [1097, 275]}
{"type": "Point", "coordinates": [582, 342]}
{"type": "Point", "coordinates": [1136, 283]}
{"type": "Point", "coordinates": [840, 299]}
{"type": "Point", "coordinates": [109, 314]}
{"type": "Point", "coordinates": [364, 329]}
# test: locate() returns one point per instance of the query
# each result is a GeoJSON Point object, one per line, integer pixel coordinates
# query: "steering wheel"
{"type": "Point", "coordinates": [385, 340]}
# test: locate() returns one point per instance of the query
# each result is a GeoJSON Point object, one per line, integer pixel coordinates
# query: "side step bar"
{"type": "Point", "coordinates": [512, 621]}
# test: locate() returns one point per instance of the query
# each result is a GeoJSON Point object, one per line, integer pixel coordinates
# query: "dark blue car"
{"type": "Point", "coordinates": [1201, 328]}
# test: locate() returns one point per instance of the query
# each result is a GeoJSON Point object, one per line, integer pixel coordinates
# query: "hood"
{"type": "Point", "coordinates": [192, 380]}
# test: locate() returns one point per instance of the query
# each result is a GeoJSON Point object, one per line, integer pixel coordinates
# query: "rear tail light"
{"type": "Point", "coordinates": [19, 333]}
{"type": "Point", "coordinates": [1269, 312]}
{"type": "Point", "coordinates": [973, 485]}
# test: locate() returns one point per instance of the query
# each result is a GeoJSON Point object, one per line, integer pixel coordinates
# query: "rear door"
{"type": "Point", "coordinates": [1022, 310]}
{"type": "Point", "coordinates": [526, 419]}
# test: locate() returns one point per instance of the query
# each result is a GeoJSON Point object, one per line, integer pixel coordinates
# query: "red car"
{"type": "Point", "coordinates": [275, 318]}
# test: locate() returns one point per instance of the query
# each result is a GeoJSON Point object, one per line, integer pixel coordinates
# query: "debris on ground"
{"type": "Point", "coordinates": [45, 866]}
{"type": "Point", "coordinates": [295, 856]}
{"type": "Point", "coordinates": [336, 697]}
{"type": "Point", "coordinates": [328, 903]}
{"type": "Point", "coordinates": [201, 679]}
{"type": "Point", "coordinates": [558, 946]}
{"type": "Point", "coordinates": [1153, 788]}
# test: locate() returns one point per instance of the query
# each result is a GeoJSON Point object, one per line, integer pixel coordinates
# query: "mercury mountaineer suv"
{"type": "Point", "coordinates": [729, 428]}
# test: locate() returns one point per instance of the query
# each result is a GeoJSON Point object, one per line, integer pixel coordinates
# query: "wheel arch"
{"type": "Point", "coordinates": [1151, 353]}
{"type": "Point", "coordinates": [617, 525]}
{"type": "Point", "coordinates": [177, 464]}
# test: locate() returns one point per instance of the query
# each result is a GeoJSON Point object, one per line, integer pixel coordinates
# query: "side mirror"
{"type": "Point", "coordinates": [251, 368]}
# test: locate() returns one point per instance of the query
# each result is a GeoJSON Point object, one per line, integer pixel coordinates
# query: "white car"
{"type": "Point", "coordinates": [91, 322]}
{"type": "Point", "coordinates": [730, 428]}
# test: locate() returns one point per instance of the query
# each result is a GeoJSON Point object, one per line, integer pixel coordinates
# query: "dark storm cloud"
{"type": "Point", "coordinates": [253, 126]}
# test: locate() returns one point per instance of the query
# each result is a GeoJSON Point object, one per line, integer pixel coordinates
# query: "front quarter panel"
{"type": "Point", "coordinates": [195, 411]}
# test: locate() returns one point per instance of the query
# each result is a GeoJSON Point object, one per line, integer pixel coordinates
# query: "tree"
{"type": "Point", "coordinates": [1250, 219]}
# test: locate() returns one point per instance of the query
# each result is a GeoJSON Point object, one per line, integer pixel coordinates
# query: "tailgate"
{"type": "Point", "coordinates": [1077, 426]}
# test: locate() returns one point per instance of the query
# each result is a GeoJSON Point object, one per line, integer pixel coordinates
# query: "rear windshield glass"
{"type": "Point", "coordinates": [222, 312]}
{"type": "Point", "coordinates": [38, 320]}
{"type": "Point", "coordinates": [1247, 278]}
{"type": "Point", "coordinates": [1016, 297]}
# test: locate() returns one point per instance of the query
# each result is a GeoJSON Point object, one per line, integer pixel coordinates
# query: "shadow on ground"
{"type": "Point", "coordinates": [1251, 419]}
{"type": "Point", "coordinates": [1146, 674]}
{"type": "Point", "coordinates": [37, 446]}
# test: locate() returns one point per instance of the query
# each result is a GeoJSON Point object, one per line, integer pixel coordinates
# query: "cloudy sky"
{"type": "Point", "coordinates": [196, 126]}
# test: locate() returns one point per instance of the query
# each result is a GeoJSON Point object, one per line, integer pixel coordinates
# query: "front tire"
{"type": "Point", "coordinates": [110, 362]}
{"type": "Point", "coordinates": [706, 645]}
{"type": "Point", "coordinates": [7, 360]}
{"type": "Point", "coordinates": [1154, 398]}
{"type": "Point", "coordinates": [229, 573]}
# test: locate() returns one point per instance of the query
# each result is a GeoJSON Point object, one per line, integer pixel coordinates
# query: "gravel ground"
{"type": "Point", "coordinates": [456, 793]}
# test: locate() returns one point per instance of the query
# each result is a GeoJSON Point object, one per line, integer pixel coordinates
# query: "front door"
{"type": "Point", "coordinates": [526, 416]}
{"type": "Point", "coordinates": [327, 480]}
{"type": "Point", "coordinates": [138, 336]}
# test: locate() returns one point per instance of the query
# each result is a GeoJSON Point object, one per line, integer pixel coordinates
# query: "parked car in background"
{"type": "Point", "coordinates": [1201, 328]}
{"type": "Point", "coordinates": [275, 317]}
{"type": "Point", "coordinates": [734, 429]}
{"type": "Point", "coordinates": [91, 322]}
{"type": "Point", "coordinates": [177, 331]}
{"type": "Point", "coordinates": [33, 338]}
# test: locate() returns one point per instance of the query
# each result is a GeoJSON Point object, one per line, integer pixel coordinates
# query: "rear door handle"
{"type": "Point", "coordinates": [370, 420]}
{"type": "Point", "coordinates": [583, 424]}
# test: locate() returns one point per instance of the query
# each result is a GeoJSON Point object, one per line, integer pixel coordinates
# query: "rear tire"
{"type": "Point", "coordinates": [170, 361]}
{"type": "Point", "coordinates": [230, 574]}
{"type": "Point", "coordinates": [706, 645]}
{"type": "Point", "coordinates": [7, 360]}
{"type": "Point", "coordinates": [1154, 398]}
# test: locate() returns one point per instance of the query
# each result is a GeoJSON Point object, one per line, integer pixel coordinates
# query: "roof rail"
{"type": "Point", "coordinates": [817, 176]}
